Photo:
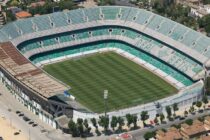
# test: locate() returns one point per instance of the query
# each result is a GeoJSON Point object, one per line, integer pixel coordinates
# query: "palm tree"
{"type": "Point", "coordinates": [192, 109]}
{"type": "Point", "coordinates": [104, 122]}
{"type": "Point", "coordinates": [205, 100]}
{"type": "Point", "coordinates": [73, 128]}
{"type": "Point", "coordinates": [94, 122]}
{"type": "Point", "coordinates": [135, 118]}
{"type": "Point", "coordinates": [175, 108]}
{"type": "Point", "coordinates": [199, 104]}
{"type": "Point", "coordinates": [85, 123]}
{"type": "Point", "coordinates": [144, 117]}
{"type": "Point", "coordinates": [120, 123]}
{"type": "Point", "coordinates": [79, 121]}
{"type": "Point", "coordinates": [80, 126]}
{"type": "Point", "coordinates": [114, 122]}
{"type": "Point", "coordinates": [185, 113]}
{"type": "Point", "coordinates": [156, 120]}
{"type": "Point", "coordinates": [129, 118]}
{"type": "Point", "coordinates": [168, 110]}
{"type": "Point", "coordinates": [162, 117]}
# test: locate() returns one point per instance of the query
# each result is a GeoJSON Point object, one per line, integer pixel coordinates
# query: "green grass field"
{"type": "Point", "coordinates": [128, 83]}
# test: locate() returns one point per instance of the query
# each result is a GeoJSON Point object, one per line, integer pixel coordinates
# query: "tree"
{"type": "Point", "coordinates": [66, 4]}
{"type": "Point", "coordinates": [192, 109]}
{"type": "Point", "coordinates": [10, 16]}
{"type": "Point", "coordinates": [73, 128]}
{"type": "Point", "coordinates": [168, 110]}
{"type": "Point", "coordinates": [199, 104]}
{"type": "Point", "coordinates": [149, 135]}
{"type": "Point", "coordinates": [50, 7]}
{"type": "Point", "coordinates": [85, 123]}
{"type": "Point", "coordinates": [14, 3]}
{"type": "Point", "coordinates": [106, 2]}
{"type": "Point", "coordinates": [201, 119]}
{"type": "Point", "coordinates": [204, 23]}
{"type": "Point", "coordinates": [79, 121]}
{"type": "Point", "coordinates": [185, 113]}
{"type": "Point", "coordinates": [120, 123]}
{"type": "Point", "coordinates": [114, 122]}
{"type": "Point", "coordinates": [80, 126]}
{"type": "Point", "coordinates": [162, 117]}
{"type": "Point", "coordinates": [189, 121]}
{"type": "Point", "coordinates": [104, 122]}
{"type": "Point", "coordinates": [175, 107]}
{"type": "Point", "coordinates": [135, 118]}
{"type": "Point", "coordinates": [144, 117]}
{"type": "Point", "coordinates": [94, 122]}
{"type": "Point", "coordinates": [205, 100]}
{"type": "Point", "coordinates": [129, 118]}
{"type": "Point", "coordinates": [156, 120]}
{"type": "Point", "coordinates": [177, 126]}
{"type": "Point", "coordinates": [81, 129]}
{"type": "Point", "coordinates": [206, 2]}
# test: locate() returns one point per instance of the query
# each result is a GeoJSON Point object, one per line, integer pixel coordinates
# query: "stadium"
{"type": "Point", "coordinates": [59, 65]}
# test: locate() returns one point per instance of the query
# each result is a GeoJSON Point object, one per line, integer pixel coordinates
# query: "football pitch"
{"type": "Point", "coordinates": [128, 83]}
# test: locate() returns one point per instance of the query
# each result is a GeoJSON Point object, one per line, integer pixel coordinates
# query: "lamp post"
{"type": "Point", "coordinates": [105, 101]}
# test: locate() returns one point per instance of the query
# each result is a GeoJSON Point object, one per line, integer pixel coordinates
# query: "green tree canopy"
{"type": "Point", "coordinates": [129, 118]}
{"type": "Point", "coordinates": [114, 122]}
{"type": "Point", "coordinates": [168, 110]}
{"type": "Point", "coordinates": [104, 122]}
{"type": "Point", "coordinates": [144, 116]}
{"type": "Point", "coordinates": [121, 123]}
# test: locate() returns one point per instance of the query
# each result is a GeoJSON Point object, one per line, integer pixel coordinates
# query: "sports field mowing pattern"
{"type": "Point", "coordinates": [128, 83]}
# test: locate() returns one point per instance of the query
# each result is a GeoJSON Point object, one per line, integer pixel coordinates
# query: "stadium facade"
{"type": "Point", "coordinates": [174, 52]}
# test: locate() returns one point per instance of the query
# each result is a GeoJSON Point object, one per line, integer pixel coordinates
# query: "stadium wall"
{"type": "Point", "coordinates": [43, 108]}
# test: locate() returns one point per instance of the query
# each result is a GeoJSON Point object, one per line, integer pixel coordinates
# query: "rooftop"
{"type": "Point", "coordinates": [171, 134]}
{"type": "Point", "coordinates": [195, 128]}
{"type": "Point", "coordinates": [204, 138]}
{"type": "Point", "coordinates": [28, 74]}
{"type": "Point", "coordinates": [23, 14]}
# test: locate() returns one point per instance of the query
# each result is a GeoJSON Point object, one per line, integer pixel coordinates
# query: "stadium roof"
{"type": "Point", "coordinates": [28, 74]}
{"type": "Point", "coordinates": [182, 38]}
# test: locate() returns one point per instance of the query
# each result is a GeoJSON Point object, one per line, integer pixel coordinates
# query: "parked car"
{"type": "Point", "coordinates": [43, 131]}
{"type": "Point", "coordinates": [26, 118]}
{"type": "Point", "coordinates": [181, 118]}
{"type": "Point", "coordinates": [31, 122]}
{"type": "Point", "coordinates": [34, 125]}
{"type": "Point", "coordinates": [18, 112]}
{"type": "Point", "coordinates": [16, 133]}
{"type": "Point", "coordinates": [21, 114]}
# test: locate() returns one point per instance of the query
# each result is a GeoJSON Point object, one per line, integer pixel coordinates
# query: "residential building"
{"type": "Point", "coordinates": [171, 134]}
{"type": "Point", "coordinates": [192, 131]}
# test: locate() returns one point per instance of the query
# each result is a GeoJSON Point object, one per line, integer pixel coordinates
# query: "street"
{"type": "Point", "coordinates": [9, 105]}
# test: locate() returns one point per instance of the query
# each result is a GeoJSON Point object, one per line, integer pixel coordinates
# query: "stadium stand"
{"type": "Point", "coordinates": [177, 52]}
{"type": "Point", "coordinates": [163, 52]}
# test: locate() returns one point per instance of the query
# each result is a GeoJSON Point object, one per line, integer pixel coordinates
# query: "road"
{"type": "Point", "coordinates": [9, 105]}
{"type": "Point", "coordinates": [138, 134]}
